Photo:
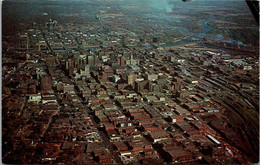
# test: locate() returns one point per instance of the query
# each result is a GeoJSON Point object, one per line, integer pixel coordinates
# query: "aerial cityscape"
{"type": "Point", "coordinates": [129, 82]}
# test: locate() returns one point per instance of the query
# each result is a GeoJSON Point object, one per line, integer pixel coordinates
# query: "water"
{"type": "Point", "coordinates": [235, 41]}
{"type": "Point", "coordinates": [206, 28]}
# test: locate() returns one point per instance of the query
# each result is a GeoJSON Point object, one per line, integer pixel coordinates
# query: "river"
{"type": "Point", "coordinates": [206, 28]}
{"type": "Point", "coordinates": [193, 38]}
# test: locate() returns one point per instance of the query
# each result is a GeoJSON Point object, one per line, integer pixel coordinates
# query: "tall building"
{"type": "Point", "coordinates": [69, 64]}
{"type": "Point", "coordinates": [138, 86]}
{"type": "Point", "coordinates": [32, 89]}
{"type": "Point", "coordinates": [131, 78]}
{"type": "Point", "coordinates": [46, 84]}
{"type": "Point", "coordinates": [151, 76]}
{"type": "Point", "coordinates": [122, 61]}
{"type": "Point", "coordinates": [91, 60]}
{"type": "Point", "coordinates": [132, 60]}
{"type": "Point", "coordinates": [51, 24]}
{"type": "Point", "coordinates": [86, 71]}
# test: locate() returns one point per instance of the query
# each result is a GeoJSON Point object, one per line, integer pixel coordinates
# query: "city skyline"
{"type": "Point", "coordinates": [121, 82]}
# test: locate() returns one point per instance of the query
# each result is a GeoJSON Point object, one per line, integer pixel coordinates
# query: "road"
{"type": "Point", "coordinates": [107, 142]}
{"type": "Point", "coordinates": [103, 135]}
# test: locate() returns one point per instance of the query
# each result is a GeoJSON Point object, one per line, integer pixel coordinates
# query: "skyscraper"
{"type": "Point", "coordinates": [91, 60]}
